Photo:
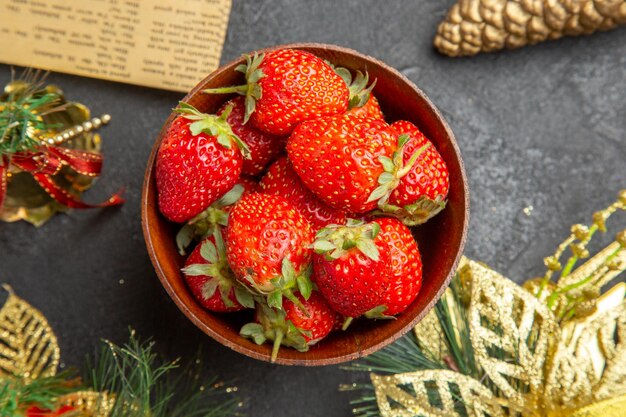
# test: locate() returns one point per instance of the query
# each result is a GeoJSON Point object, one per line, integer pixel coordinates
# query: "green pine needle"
{"type": "Point", "coordinates": [145, 385]}
{"type": "Point", "coordinates": [21, 113]}
{"type": "Point", "coordinates": [17, 394]}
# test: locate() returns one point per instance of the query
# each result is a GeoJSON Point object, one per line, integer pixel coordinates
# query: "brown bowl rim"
{"type": "Point", "coordinates": [316, 361]}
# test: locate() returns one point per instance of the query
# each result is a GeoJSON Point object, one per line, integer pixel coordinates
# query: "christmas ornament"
{"type": "Point", "coordinates": [493, 348]}
{"type": "Point", "coordinates": [49, 154]}
{"type": "Point", "coordinates": [474, 26]}
{"type": "Point", "coordinates": [124, 381]}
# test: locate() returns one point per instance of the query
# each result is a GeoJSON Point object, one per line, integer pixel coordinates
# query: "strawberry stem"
{"type": "Point", "coordinates": [290, 295]}
{"type": "Point", "coordinates": [394, 170]}
{"type": "Point", "coordinates": [347, 323]}
{"type": "Point", "coordinates": [407, 167]}
{"type": "Point", "coordinates": [238, 89]}
{"type": "Point", "coordinates": [278, 340]}
{"type": "Point", "coordinates": [251, 90]}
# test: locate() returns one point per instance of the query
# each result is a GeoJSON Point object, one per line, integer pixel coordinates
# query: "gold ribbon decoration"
{"type": "Point", "coordinates": [474, 26]}
{"type": "Point", "coordinates": [69, 128]}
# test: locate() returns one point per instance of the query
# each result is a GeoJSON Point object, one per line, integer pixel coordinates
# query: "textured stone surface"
{"type": "Point", "coordinates": [543, 126]}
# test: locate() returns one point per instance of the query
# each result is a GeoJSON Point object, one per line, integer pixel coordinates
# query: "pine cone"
{"type": "Point", "coordinates": [474, 26]}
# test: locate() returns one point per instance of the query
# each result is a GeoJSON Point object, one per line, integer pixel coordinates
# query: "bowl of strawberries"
{"type": "Point", "coordinates": [305, 205]}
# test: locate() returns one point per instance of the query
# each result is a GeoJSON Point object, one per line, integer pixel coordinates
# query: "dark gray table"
{"type": "Point", "coordinates": [543, 126]}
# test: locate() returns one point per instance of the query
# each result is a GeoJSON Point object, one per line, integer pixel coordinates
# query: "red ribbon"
{"type": "Point", "coordinates": [35, 411]}
{"type": "Point", "coordinates": [4, 167]}
{"type": "Point", "coordinates": [46, 162]}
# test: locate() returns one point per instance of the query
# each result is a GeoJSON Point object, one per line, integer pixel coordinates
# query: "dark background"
{"type": "Point", "coordinates": [543, 126]}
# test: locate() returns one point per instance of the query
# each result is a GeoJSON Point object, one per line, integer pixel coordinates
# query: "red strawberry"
{"type": "Point", "coordinates": [282, 180]}
{"type": "Point", "coordinates": [199, 160]}
{"type": "Point", "coordinates": [214, 217]}
{"type": "Point", "coordinates": [339, 321]}
{"type": "Point", "coordinates": [352, 266]}
{"type": "Point", "coordinates": [285, 87]}
{"type": "Point", "coordinates": [264, 147]}
{"type": "Point", "coordinates": [406, 266]}
{"type": "Point", "coordinates": [338, 159]}
{"type": "Point", "coordinates": [290, 327]}
{"type": "Point", "coordinates": [422, 190]}
{"type": "Point", "coordinates": [269, 247]}
{"type": "Point", "coordinates": [210, 279]}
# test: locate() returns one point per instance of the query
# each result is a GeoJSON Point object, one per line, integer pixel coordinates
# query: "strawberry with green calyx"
{"type": "Point", "coordinates": [395, 169]}
{"type": "Point", "coordinates": [421, 192]}
{"type": "Point", "coordinates": [370, 109]}
{"type": "Point", "coordinates": [214, 217]}
{"type": "Point", "coordinates": [362, 102]}
{"type": "Point", "coordinates": [337, 158]}
{"type": "Point", "coordinates": [289, 326]}
{"type": "Point", "coordinates": [269, 247]}
{"type": "Point", "coordinates": [210, 279]}
{"type": "Point", "coordinates": [264, 148]}
{"type": "Point", "coordinates": [199, 159]}
{"type": "Point", "coordinates": [285, 87]}
{"type": "Point", "coordinates": [281, 179]}
{"type": "Point", "coordinates": [406, 268]}
{"type": "Point", "coordinates": [352, 267]}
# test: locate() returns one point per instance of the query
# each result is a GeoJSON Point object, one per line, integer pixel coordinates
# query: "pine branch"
{"type": "Point", "coordinates": [22, 111]}
{"type": "Point", "coordinates": [16, 394]}
{"type": "Point", "coordinates": [145, 385]}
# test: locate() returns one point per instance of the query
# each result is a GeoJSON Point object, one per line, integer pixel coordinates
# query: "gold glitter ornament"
{"type": "Point", "coordinates": [128, 381]}
{"type": "Point", "coordinates": [474, 26]}
{"type": "Point", "coordinates": [412, 394]}
{"type": "Point", "coordinates": [28, 346]}
{"type": "Point", "coordinates": [532, 365]}
{"type": "Point", "coordinates": [29, 350]}
{"type": "Point", "coordinates": [89, 403]}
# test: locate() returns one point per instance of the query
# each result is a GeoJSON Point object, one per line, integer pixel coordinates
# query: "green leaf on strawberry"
{"type": "Point", "coordinates": [288, 326]}
{"type": "Point", "coordinates": [335, 240]}
{"type": "Point", "coordinates": [213, 125]}
{"type": "Point", "coordinates": [205, 223]}
{"type": "Point", "coordinates": [394, 169]}
{"type": "Point", "coordinates": [210, 279]}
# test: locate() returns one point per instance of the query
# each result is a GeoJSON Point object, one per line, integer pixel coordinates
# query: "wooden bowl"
{"type": "Point", "coordinates": [440, 240]}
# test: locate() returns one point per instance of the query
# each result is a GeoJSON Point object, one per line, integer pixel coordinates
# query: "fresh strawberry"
{"type": "Point", "coordinates": [286, 87]}
{"type": "Point", "coordinates": [424, 180]}
{"type": "Point", "coordinates": [281, 179]}
{"type": "Point", "coordinates": [371, 108]}
{"type": "Point", "coordinates": [198, 161]}
{"type": "Point", "coordinates": [338, 159]}
{"type": "Point", "coordinates": [214, 217]}
{"type": "Point", "coordinates": [339, 321]}
{"type": "Point", "coordinates": [269, 247]}
{"type": "Point", "coordinates": [406, 266]}
{"type": "Point", "coordinates": [352, 267]}
{"type": "Point", "coordinates": [264, 148]}
{"type": "Point", "coordinates": [210, 279]}
{"type": "Point", "coordinates": [39, 412]}
{"type": "Point", "coordinates": [290, 327]}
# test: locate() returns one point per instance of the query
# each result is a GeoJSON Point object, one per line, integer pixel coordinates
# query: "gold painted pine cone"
{"type": "Point", "coordinates": [474, 26]}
